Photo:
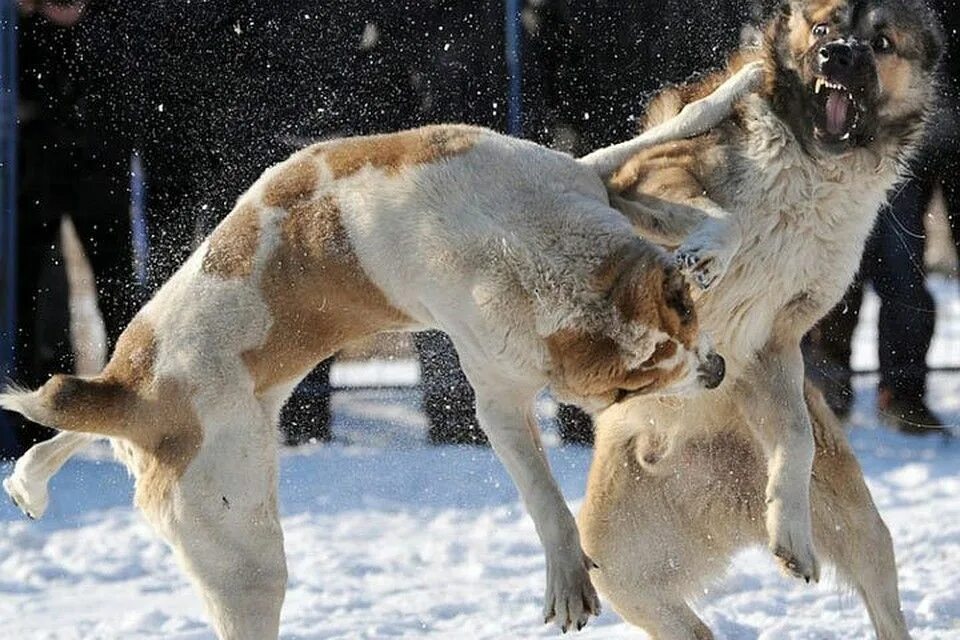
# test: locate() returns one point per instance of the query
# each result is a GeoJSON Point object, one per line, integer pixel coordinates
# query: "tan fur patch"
{"type": "Point", "coordinates": [591, 365]}
{"type": "Point", "coordinates": [896, 75]}
{"type": "Point", "coordinates": [295, 180]}
{"type": "Point", "coordinates": [824, 11]}
{"type": "Point", "coordinates": [395, 152]}
{"type": "Point", "coordinates": [801, 35]}
{"type": "Point", "coordinates": [638, 285]}
{"type": "Point", "coordinates": [318, 294]}
{"type": "Point", "coordinates": [665, 171]}
{"type": "Point", "coordinates": [233, 244]}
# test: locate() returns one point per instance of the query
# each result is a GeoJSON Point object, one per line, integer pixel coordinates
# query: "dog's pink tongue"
{"type": "Point", "coordinates": [837, 105]}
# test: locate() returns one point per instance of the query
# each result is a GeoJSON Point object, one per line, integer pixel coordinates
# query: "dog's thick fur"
{"type": "Point", "coordinates": [678, 484]}
{"type": "Point", "coordinates": [510, 248]}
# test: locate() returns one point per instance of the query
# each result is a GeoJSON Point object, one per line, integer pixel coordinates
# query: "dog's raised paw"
{"type": "Point", "coordinates": [699, 265]}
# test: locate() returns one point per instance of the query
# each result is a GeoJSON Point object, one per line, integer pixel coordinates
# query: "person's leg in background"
{"type": "Point", "coordinates": [43, 315]}
{"type": "Point", "coordinates": [907, 310]}
{"type": "Point", "coordinates": [101, 216]}
{"type": "Point", "coordinates": [448, 399]}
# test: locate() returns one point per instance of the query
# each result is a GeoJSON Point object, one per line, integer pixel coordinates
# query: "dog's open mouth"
{"type": "Point", "coordinates": [839, 114]}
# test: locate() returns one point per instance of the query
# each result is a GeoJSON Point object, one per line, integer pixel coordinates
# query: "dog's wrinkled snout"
{"type": "Point", "coordinates": [712, 370]}
{"type": "Point", "coordinates": [838, 53]}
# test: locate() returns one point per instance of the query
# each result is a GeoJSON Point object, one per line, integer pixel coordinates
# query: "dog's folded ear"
{"type": "Point", "coordinates": [676, 294]}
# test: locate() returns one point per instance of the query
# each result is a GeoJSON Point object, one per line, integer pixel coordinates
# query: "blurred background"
{"type": "Point", "coordinates": [128, 129]}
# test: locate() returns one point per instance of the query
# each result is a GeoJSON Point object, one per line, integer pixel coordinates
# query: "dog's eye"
{"type": "Point", "coordinates": [882, 44]}
{"type": "Point", "coordinates": [821, 29]}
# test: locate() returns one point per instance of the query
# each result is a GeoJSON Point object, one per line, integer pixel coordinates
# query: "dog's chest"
{"type": "Point", "coordinates": [804, 224]}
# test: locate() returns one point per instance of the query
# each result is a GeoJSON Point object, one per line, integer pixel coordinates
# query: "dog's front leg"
{"type": "Point", "coordinates": [771, 393]}
{"type": "Point", "coordinates": [506, 416]}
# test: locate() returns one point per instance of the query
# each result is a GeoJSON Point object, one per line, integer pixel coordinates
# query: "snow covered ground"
{"type": "Point", "coordinates": [388, 536]}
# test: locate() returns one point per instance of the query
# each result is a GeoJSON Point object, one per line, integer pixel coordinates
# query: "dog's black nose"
{"type": "Point", "coordinates": [838, 53]}
{"type": "Point", "coordinates": [712, 371]}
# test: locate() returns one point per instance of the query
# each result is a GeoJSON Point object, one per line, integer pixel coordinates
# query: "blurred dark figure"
{"type": "Point", "coordinates": [894, 264]}
{"type": "Point", "coordinates": [72, 162]}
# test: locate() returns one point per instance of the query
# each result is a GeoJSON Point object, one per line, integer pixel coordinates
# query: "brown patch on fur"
{"type": "Point", "coordinates": [318, 294]}
{"type": "Point", "coordinates": [664, 170]}
{"type": "Point", "coordinates": [592, 365]}
{"type": "Point", "coordinates": [896, 77]}
{"type": "Point", "coordinates": [233, 244]}
{"type": "Point", "coordinates": [294, 180]}
{"type": "Point", "coordinates": [643, 288]}
{"type": "Point", "coordinates": [800, 36]}
{"type": "Point", "coordinates": [393, 153]}
{"type": "Point", "coordinates": [823, 11]}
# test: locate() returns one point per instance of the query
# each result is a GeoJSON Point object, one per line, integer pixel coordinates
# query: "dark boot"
{"type": "Point", "coordinates": [907, 413]}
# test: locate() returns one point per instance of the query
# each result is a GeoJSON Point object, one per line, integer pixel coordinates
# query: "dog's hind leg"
{"type": "Point", "coordinates": [222, 521]}
{"type": "Point", "coordinates": [847, 528]}
{"type": "Point", "coordinates": [670, 619]}
{"type": "Point", "coordinates": [27, 485]}
{"type": "Point", "coordinates": [659, 539]}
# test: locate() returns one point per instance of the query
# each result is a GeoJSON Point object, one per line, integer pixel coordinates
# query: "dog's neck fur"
{"type": "Point", "coordinates": [804, 218]}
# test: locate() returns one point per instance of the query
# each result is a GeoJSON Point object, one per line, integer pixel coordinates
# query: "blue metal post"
{"type": "Point", "coordinates": [513, 37]}
{"type": "Point", "coordinates": [8, 202]}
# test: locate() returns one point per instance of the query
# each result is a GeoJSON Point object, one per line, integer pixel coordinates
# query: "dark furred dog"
{"type": "Point", "coordinates": [791, 184]}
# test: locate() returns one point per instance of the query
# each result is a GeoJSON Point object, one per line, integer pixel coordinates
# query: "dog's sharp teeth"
{"type": "Point", "coordinates": [819, 86]}
{"type": "Point", "coordinates": [846, 136]}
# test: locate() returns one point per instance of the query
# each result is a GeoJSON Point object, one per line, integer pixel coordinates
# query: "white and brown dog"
{"type": "Point", "coordinates": [508, 247]}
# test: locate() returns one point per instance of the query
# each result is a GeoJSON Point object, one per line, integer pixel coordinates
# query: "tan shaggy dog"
{"type": "Point", "coordinates": [510, 248]}
{"type": "Point", "coordinates": [793, 182]}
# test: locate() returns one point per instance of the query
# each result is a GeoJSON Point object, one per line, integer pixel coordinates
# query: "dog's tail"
{"type": "Point", "coordinates": [89, 405]}
{"type": "Point", "coordinates": [696, 118]}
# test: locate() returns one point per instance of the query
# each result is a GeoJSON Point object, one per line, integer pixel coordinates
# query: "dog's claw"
{"type": "Point", "coordinates": [792, 566]}
{"type": "Point", "coordinates": [699, 266]}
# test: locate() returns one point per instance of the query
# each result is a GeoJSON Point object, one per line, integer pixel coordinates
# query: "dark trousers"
{"type": "Point", "coordinates": [62, 173]}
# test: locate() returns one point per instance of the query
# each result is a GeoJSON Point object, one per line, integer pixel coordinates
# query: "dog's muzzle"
{"type": "Point", "coordinates": [711, 372]}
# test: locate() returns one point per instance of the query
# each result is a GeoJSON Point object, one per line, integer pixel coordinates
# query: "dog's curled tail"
{"type": "Point", "coordinates": [696, 118]}
{"type": "Point", "coordinates": [88, 405]}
